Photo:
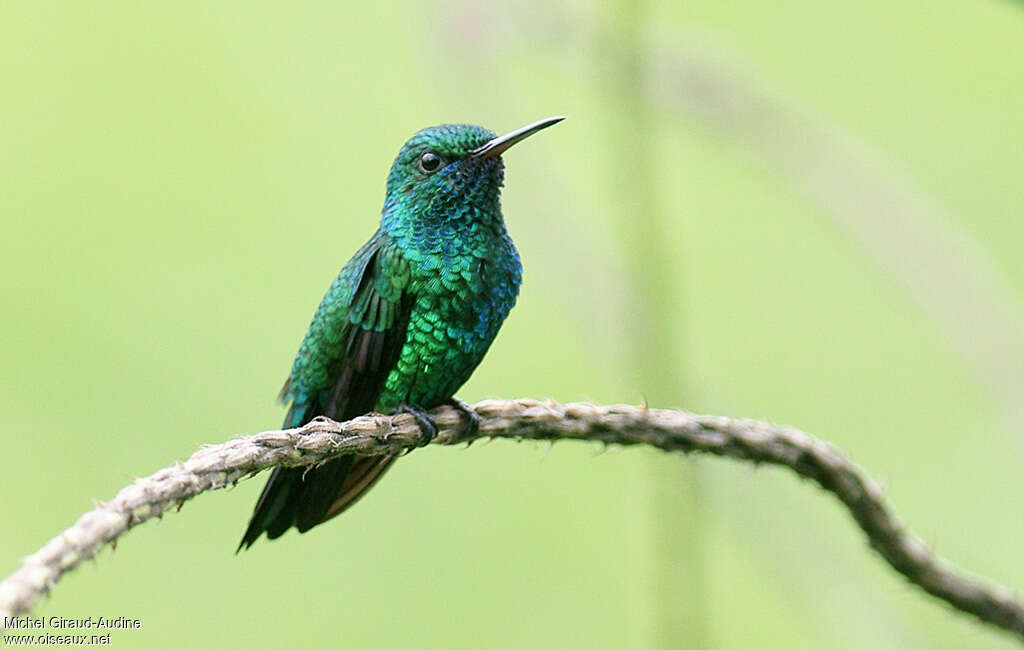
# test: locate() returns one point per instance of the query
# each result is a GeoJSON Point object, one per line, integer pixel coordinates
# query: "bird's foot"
{"type": "Point", "coordinates": [471, 415]}
{"type": "Point", "coordinates": [428, 427]}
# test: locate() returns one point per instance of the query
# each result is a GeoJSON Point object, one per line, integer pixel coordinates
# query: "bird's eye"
{"type": "Point", "coordinates": [430, 162]}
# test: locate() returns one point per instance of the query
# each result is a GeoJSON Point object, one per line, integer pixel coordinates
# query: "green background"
{"type": "Point", "coordinates": [797, 211]}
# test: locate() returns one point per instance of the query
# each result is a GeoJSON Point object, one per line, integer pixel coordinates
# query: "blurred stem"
{"type": "Point", "coordinates": [669, 592]}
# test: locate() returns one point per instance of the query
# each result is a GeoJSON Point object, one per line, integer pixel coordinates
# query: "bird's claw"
{"type": "Point", "coordinates": [427, 424]}
{"type": "Point", "coordinates": [472, 416]}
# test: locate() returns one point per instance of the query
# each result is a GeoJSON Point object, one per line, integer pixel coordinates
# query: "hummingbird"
{"type": "Point", "coordinates": [407, 319]}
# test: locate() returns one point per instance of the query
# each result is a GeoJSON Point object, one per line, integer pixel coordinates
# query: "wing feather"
{"type": "Point", "coordinates": [351, 346]}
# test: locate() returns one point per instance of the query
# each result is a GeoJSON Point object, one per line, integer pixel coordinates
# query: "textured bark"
{"type": "Point", "coordinates": [217, 466]}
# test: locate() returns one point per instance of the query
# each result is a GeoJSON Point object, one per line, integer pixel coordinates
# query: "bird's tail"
{"type": "Point", "coordinates": [304, 497]}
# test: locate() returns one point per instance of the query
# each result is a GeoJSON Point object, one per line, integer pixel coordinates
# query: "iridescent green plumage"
{"type": "Point", "coordinates": [408, 318]}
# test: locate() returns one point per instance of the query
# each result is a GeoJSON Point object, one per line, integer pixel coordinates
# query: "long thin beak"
{"type": "Point", "coordinates": [498, 145]}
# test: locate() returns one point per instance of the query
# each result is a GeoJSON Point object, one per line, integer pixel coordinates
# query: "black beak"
{"type": "Point", "coordinates": [498, 145]}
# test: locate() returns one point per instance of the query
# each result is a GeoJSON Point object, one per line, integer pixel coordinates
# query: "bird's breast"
{"type": "Point", "coordinates": [471, 291]}
{"type": "Point", "coordinates": [459, 303]}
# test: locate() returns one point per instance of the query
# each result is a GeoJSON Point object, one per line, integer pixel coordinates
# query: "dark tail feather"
{"type": "Point", "coordinates": [319, 489]}
{"type": "Point", "coordinates": [277, 498]}
{"type": "Point", "coordinates": [365, 472]}
{"type": "Point", "coordinates": [301, 497]}
{"type": "Point", "coordinates": [293, 494]}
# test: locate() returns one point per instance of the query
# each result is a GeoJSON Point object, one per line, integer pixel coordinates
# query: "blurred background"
{"type": "Point", "coordinates": [801, 212]}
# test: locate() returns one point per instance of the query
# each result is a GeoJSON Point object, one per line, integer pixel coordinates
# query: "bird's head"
{"type": "Point", "coordinates": [452, 171]}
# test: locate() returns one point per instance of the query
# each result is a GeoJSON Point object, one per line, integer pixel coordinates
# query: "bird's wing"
{"type": "Point", "coordinates": [354, 338]}
{"type": "Point", "coordinates": [351, 346]}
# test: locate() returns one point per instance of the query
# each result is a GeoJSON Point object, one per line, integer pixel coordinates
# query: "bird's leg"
{"type": "Point", "coordinates": [428, 427]}
{"type": "Point", "coordinates": [471, 415]}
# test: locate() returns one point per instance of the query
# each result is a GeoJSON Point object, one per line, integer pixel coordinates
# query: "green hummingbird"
{"type": "Point", "coordinates": [408, 318]}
